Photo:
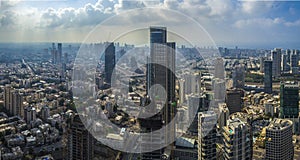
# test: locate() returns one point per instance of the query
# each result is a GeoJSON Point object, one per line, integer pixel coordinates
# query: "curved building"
{"type": "Point", "coordinates": [279, 143]}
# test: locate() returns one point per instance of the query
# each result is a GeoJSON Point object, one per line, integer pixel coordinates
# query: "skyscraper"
{"type": "Point", "coordinates": [294, 63]}
{"type": "Point", "coordinates": [160, 70]}
{"type": "Point", "coordinates": [110, 61]}
{"type": "Point", "coordinates": [219, 90]}
{"type": "Point", "coordinates": [289, 100]}
{"type": "Point", "coordinates": [59, 52]}
{"type": "Point", "coordinates": [237, 140]}
{"type": "Point", "coordinates": [276, 58]}
{"type": "Point", "coordinates": [268, 76]}
{"type": "Point", "coordinates": [80, 141]}
{"type": "Point", "coordinates": [207, 136]}
{"type": "Point", "coordinates": [279, 140]}
{"type": "Point", "coordinates": [238, 76]}
{"type": "Point", "coordinates": [284, 63]}
{"type": "Point", "coordinates": [262, 62]}
{"type": "Point", "coordinates": [219, 68]}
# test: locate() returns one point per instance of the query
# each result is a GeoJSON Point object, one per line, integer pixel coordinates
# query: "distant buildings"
{"type": "Point", "coordinates": [207, 136]}
{"type": "Point", "coordinates": [237, 139]}
{"type": "Point", "coordinates": [276, 66]}
{"type": "Point", "coordinates": [279, 143]}
{"type": "Point", "coordinates": [110, 61]}
{"type": "Point", "coordinates": [268, 76]}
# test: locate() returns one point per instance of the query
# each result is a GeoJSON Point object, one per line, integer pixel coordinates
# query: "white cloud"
{"type": "Point", "coordinates": [263, 23]}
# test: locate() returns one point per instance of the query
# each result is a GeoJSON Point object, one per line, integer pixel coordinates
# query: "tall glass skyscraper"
{"type": "Point", "coordinates": [109, 61]}
{"type": "Point", "coordinates": [289, 100]}
{"type": "Point", "coordinates": [160, 71]}
{"type": "Point", "coordinates": [268, 76]}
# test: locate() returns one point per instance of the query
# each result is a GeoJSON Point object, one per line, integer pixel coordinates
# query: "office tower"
{"type": "Point", "coordinates": [207, 135]}
{"type": "Point", "coordinates": [237, 140]}
{"type": "Point", "coordinates": [289, 100]}
{"type": "Point", "coordinates": [219, 90]}
{"type": "Point", "coordinates": [219, 68]}
{"type": "Point", "coordinates": [276, 58]}
{"type": "Point", "coordinates": [238, 76]}
{"type": "Point", "coordinates": [59, 52]}
{"type": "Point", "coordinates": [262, 62]}
{"type": "Point", "coordinates": [110, 61]}
{"type": "Point", "coordinates": [268, 76]}
{"type": "Point", "coordinates": [224, 115]}
{"type": "Point", "coordinates": [80, 141]}
{"type": "Point", "coordinates": [279, 140]}
{"type": "Point", "coordinates": [233, 100]}
{"type": "Point", "coordinates": [196, 104]}
{"type": "Point", "coordinates": [160, 70]}
{"type": "Point", "coordinates": [284, 63]}
{"type": "Point", "coordinates": [294, 63]}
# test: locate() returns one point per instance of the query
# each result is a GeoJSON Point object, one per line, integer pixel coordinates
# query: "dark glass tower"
{"type": "Point", "coordinates": [160, 71]}
{"type": "Point", "coordinates": [109, 61]}
{"type": "Point", "coordinates": [268, 76]}
{"type": "Point", "coordinates": [289, 100]}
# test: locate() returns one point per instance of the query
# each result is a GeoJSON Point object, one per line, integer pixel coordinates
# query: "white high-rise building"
{"type": "Point", "coordinates": [237, 140]}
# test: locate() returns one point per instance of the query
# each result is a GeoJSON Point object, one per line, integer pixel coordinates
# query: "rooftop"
{"type": "Point", "coordinates": [279, 124]}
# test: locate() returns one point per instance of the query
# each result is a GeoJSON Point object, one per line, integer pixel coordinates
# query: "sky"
{"type": "Point", "coordinates": [229, 23]}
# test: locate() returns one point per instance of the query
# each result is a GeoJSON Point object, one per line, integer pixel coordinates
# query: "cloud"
{"type": "Point", "coordinates": [258, 23]}
{"type": "Point", "coordinates": [70, 17]}
{"type": "Point", "coordinates": [266, 23]}
{"type": "Point", "coordinates": [7, 19]}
